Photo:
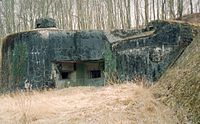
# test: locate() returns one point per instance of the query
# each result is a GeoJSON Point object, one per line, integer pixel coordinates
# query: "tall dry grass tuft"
{"type": "Point", "coordinates": [19, 104]}
{"type": "Point", "coordinates": [24, 107]}
{"type": "Point", "coordinates": [112, 78]}
{"type": "Point", "coordinates": [24, 103]}
{"type": "Point", "coordinates": [145, 109]}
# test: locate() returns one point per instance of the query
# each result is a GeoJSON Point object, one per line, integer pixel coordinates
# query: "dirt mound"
{"type": "Point", "coordinates": [179, 87]}
{"type": "Point", "coordinates": [119, 104]}
{"type": "Point", "coordinates": [191, 18]}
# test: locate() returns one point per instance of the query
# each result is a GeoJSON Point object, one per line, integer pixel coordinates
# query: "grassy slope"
{"type": "Point", "coordinates": [179, 87]}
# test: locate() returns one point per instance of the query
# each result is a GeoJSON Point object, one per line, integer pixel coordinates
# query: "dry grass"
{"type": "Point", "coordinates": [179, 87]}
{"type": "Point", "coordinates": [117, 104]}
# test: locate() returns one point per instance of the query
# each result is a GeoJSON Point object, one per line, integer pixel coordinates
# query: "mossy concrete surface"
{"type": "Point", "coordinates": [30, 55]}
{"type": "Point", "coordinates": [149, 52]}
{"type": "Point", "coordinates": [126, 54]}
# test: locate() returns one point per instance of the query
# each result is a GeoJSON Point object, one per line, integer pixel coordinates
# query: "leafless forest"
{"type": "Point", "coordinates": [19, 15]}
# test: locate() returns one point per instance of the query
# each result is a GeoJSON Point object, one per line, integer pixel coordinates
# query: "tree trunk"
{"type": "Point", "coordinates": [137, 16]}
{"type": "Point", "coordinates": [146, 12]}
{"type": "Point", "coordinates": [128, 13]}
{"type": "Point", "coordinates": [171, 9]}
{"type": "Point", "coordinates": [154, 14]}
{"type": "Point", "coordinates": [158, 10]}
{"type": "Point", "coordinates": [163, 10]}
{"type": "Point", "coordinates": [191, 6]}
{"type": "Point", "coordinates": [180, 8]}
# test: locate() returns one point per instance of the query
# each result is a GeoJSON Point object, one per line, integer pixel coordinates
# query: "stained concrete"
{"type": "Point", "coordinates": [145, 52]}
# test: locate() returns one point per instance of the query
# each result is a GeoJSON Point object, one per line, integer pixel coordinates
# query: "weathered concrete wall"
{"type": "Point", "coordinates": [29, 55]}
{"type": "Point", "coordinates": [151, 50]}
{"type": "Point", "coordinates": [146, 52]}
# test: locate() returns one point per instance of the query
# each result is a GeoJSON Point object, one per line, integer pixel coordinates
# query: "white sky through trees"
{"type": "Point", "coordinates": [19, 15]}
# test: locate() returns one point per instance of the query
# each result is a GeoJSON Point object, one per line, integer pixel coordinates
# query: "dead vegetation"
{"type": "Point", "coordinates": [179, 87]}
{"type": "Point", "coordinates": [116, 104]}
{"type": "Point", "coordinates": [191, 18]}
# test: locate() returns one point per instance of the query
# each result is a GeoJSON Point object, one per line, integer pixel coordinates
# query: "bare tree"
{"type": "Point", "coordinates": [191, 6]}
{"type": "Point", "coordinates": [2, 31]}
{"type": "Point", "coordinates": [154, 13]}
{"type": "Point", "coordinates": [163, 16]}
{"type": "Point", "coordinates": [18, 15]}
{"type": "Point", "coordinates": [171, 9]}
{"type": "Point", "coordinates": [180, 8]}
{"type": "Point", "coordinates": [146, 2]}
{"type": "Point", "coordinates": [128, 13]}
{"type": "Point", "coordinates": [137, 13]}
{"type": "Point", "coordinates": [158, 10]}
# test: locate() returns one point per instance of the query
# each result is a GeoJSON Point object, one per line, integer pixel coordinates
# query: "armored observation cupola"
{"type": "Point", "coordinates": [45, 23]}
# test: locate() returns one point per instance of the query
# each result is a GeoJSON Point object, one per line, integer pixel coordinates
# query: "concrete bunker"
{"type": "Point", "coordinates": [54, 57]}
